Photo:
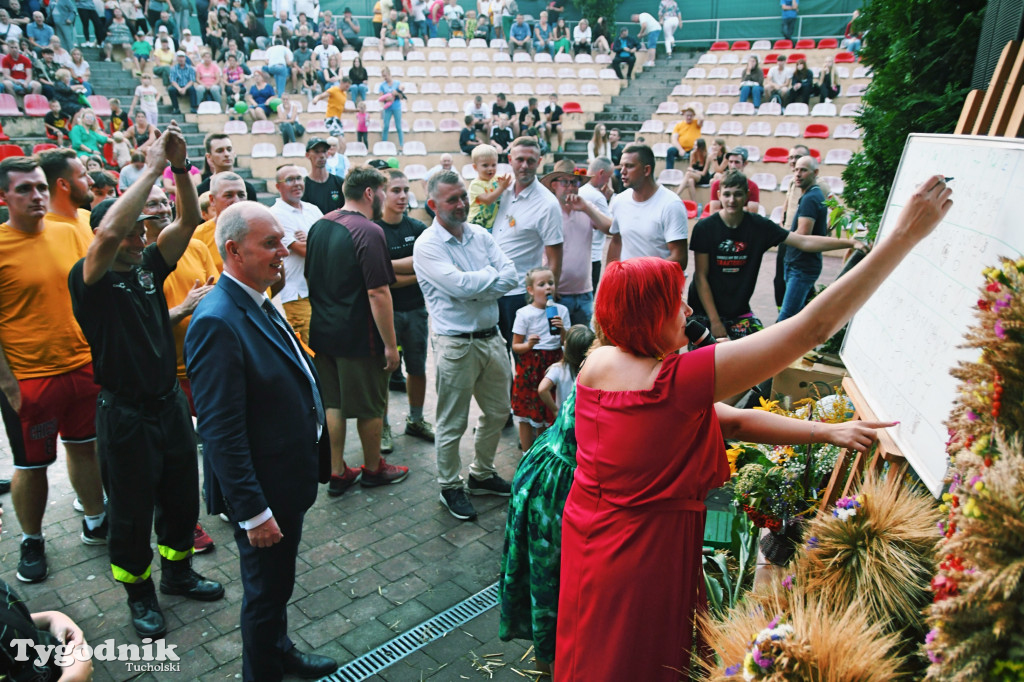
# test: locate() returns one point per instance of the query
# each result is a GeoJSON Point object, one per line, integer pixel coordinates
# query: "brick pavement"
{"type": "Point", "coordinates": [372, 564]}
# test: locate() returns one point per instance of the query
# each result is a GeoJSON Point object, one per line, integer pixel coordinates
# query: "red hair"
{"type": "Point", "coordinates": [635, 300]}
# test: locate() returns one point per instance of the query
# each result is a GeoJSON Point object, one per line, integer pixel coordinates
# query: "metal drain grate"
{"type": "Point", "coordinates": [389, 653]}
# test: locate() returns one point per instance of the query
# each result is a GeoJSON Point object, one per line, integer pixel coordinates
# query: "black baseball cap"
{"type": "Point", "coordinates": [316, 141]}
{"type": "Point", "coordinates": [101, 210]}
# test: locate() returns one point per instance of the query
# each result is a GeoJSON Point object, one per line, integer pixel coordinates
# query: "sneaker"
{"type": "Point", "coordinates": [495, 485]}
{"type": "Point", "coordinates": [201, 540]}
{"type": "Point", "coordinates": [339, 484]}
{"type": "Point", "coordinates": [5, 485]}
{"type": "Point", "coordinates": [458, 504]}
{"type": "Point", "coordinates": [419, 428]}
{"type": "Point", "coordinates": [385, 475]}
{"type": "Point", "coordinates": [78, 506]}
{"type": "Point", "coordinates": [397, 383]}
{"type": "Point", "coordinates": [32, 567]}
{"type": "Point", "coordinates": [96, 536]}
{"type": "Point", "coordinates": [387, 441]}
{"type": "Point", "coordinates": [224, 517]}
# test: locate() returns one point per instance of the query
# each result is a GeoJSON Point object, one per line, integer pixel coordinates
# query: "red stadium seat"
{"type": "Point", "coordinates": [775, 155]}
{"type": "Point", "coordinates": [818, 130]}
{"type": "Point", "coordinates": [42, 147]}
{"type": "Point", "coordinates": [719, 45]}
{"type": "Point", "coordinates": [741, 45]}
{"type": "Point", "coordinates": [796, 56]}
{"type": "Point", "coordinates": [783, 45]}
{"type": "Point", "coordinates": [845, 58]}
{"type": "Point", "coordinates": [4, 136]}
{"type": "Point", "coordinates": [805, 44]}
{"type": "Point", "coordinates": [9, 150]}
{"type": "Point", "coordinates": [707, 210]}
{"type": "Point", "coordinates": [828, 44]}
{"type": "Point", "coordinates": [572, 108]}
{"type": "Point", "coordinates": [36, 105]}
{"type": "Point", "coordinates": [691, 208]}
{"type": "Point", "coordinates": [816, 155]}
{"type": "Point", "coordinates": [100, 105]}
{"type": "Point", "coordinates": [770, 58]}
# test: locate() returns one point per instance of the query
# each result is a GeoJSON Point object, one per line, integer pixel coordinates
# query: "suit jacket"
{"type": "Point", "coordinates": [257, 419]}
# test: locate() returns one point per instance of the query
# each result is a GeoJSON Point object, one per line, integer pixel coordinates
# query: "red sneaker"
{"type": "Point", "coordinates": [339, 484]}
{"type": "Point", "coordinates": [386, 474]}
{"type": "Point", "coordinates": [201, 541]}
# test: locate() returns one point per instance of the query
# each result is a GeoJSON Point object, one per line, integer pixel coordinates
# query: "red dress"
{"type": "Point", "coordinates": [633, 525]}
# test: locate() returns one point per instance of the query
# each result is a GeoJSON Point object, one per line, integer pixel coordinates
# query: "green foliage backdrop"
{"type": "Point", "coordinates": [592, 9]}
{"type": "Point", "coordinates": [922, 53]}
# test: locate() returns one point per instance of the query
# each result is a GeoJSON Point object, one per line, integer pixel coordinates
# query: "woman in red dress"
{"type": "Point", "coordinates": [650, 447]}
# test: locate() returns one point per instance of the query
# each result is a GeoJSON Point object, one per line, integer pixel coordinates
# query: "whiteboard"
{"type": "Point", "coordinates": [903, 342]}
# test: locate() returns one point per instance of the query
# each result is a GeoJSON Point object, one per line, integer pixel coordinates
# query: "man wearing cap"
{"type": "Point", "coordinates": [323, 190]}
{"type": "Point", "coordinates": [295, 217]}
{"type": "Point", "coordinates": [46, 375]}
{"type": "Point", "coordinates": [736, 159]}
{"type": "Point", "coordinates": [647, 219]}
{"type": "Point", "coordinates": [350, 31]}
{"type": "Point", "coordinates": [182, 79]}
{"type": "Point", "coordinates": [579, 220]}
{"type": "Point", "coordinates": [684, 136]}
{"type": "Point", "coordinates": [147, 448]}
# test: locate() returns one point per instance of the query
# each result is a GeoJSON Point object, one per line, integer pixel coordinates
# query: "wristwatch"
{"type": "Point", "coordinates": [184, 169]}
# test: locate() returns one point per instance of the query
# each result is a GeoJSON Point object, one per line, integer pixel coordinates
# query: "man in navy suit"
{"type": "Point", "coordinates": [261, 420]}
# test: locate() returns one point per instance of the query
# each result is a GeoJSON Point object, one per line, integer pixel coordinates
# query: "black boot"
{"type": "Point", "coordinates": [147, 618]}
{"type": "Point", "coordinates": [177, 577]}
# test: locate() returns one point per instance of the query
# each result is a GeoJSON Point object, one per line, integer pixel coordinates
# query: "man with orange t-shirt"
{"type": "Point", "coordinates": [337, 97]}
{"type": "Point", "coordinates": [226, 188]}
{"type": "Point", "coordinates": [45, 365]}
{"type": "Point", "coordinates": [70, 190]}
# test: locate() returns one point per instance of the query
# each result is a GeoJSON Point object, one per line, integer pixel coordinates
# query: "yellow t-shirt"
{"type": "Point", "coordinates": [482, 214]}
{"type": "Point", "coordinates": [81, 225]}
{"type": "Point", "coordinates": [195, 264]}
{"type": "Point", "coordinates": [204, 233]}
{"type": "Point", "coordinates": [336, 99]}
{"type": "Point", "coordinates": [38, 330]}
{"type": "Point", "coordinates": [686, 134]}
{"type": "Point", "coordinates": [377, 16]}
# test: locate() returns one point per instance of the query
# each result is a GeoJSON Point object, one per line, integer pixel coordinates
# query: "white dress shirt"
{"type": "Point", "coordinates": [294, 220]}
{"type": "Point", "coordinates": [524, 225]}
{"type": "Point", "coordinates": [461, 280]}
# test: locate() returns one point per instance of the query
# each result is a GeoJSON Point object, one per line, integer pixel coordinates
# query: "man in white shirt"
{"type": "Point", "coordinates": [647, 219]}
{"type": "Point", "coordinates": [296, 217]}
{"type": "Point", "coordinates": [528, 228]}
{"type": "Point", "coordinates": [580, 220]}
{"type": "Point", "coordinates": [279, 64]}
{"type": "Point", "coordinates": [777, 80]}
{"type": "Point", "coordinates": [481, 114]}
{"type": "Point", "coordinates": [650, 30]}
{"type": "Point", "coordinates": [462, 274]}
{"type": "Point", "coordinates": [601, 171]}
{"type": "Point", "coordinates": [322, 52]}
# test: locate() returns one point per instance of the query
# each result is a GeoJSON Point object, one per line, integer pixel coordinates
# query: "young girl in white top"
{"type": "Point", "coordinates": [538, 342]}
{"type": "Point", "coordinates": [559, 378]}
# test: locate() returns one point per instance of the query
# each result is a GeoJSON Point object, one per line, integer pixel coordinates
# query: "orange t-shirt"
{"type": "Point", "coordinates": [81, 224]}
{"type": "Point", "coordinates": [336, 99]}
{"type": "Point", "coordinates": [38, 330]}
{"type": "Point", "coordinates": [195, 264]}
{"type": "Point", "coordinates": [204, 233]}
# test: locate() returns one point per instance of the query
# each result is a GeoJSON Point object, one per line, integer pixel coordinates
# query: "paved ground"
{"type": "Point", "coordinates": [372, 564]}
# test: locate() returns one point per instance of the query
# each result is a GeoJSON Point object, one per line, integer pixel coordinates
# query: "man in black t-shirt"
{"type": "Point", "coordinates": [401, 232]}
{"type": "Point", "coordinates": [728, 247]}
{"type": "Point", "coordinates": [146, 444]}
{"type": "Point", "coordinates": [530, 116]}
{"type": "Point", "coordinates": [220, 158]}
{"type": "Point", "coordinates": [553, 120]}
{"type": "Point", "coordinates": [503, 106]}
{"type": "Point", "coordinates": [352, 326]}
{"type": "Point", "coordinates": [323, 190]}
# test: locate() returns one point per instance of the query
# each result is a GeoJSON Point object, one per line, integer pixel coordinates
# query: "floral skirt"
{"type": "Point", "coordinates": [526, 404]}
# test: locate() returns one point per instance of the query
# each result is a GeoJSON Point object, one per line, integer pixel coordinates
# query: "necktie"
{"type": "Point", "coordinates": [289, 340]}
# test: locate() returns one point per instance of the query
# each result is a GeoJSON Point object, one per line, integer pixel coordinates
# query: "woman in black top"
{"type": "Point", "coordinates": [802, 82]}
{"type": "Point", "coordinates": [255, 32]}
{"type": "Point", "coordinates": [357, 74]}
{"type": "Point", "coordinates": [600, 36]}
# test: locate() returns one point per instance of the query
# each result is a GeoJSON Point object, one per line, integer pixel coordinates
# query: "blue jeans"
{"type": "Point", "coordinates": [396, 113]}
{"type": "Point", "coordinates": [672, 154]}
{"type": "Point", "coordinates": [421, 29]}
{"type": "Point", "coordinates": [581, 308]}
{"type": "Point", "coordinates": [753, 92]}
{"type": "Point", "coordinates": [652, 39]}
{"type": "Point", "coordinates": [358, 92]}
{"type": "Point", "coordinates": [798, 286]}
{"type": "Point", "coordinates": [280, 72]}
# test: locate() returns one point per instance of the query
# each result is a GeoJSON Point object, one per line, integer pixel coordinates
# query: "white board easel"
{"type": "Point", "coordinates": [901, 345]}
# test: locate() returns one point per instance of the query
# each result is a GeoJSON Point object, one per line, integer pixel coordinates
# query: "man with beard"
{"type": "Point", "coordinates": [352, 327]}
{"type": "Point", "coordinates": [220, 158]}
{"type": "Point", "coordinates": [323, 190]}
{"type": "Point", "coordinates": [45, 366]}
{"type": "Point", "coordinates": [463, 274]}
{"type": "Point", "coordinates": [147, 448]}
{"type": "Point", "coordinates": [70, 190]}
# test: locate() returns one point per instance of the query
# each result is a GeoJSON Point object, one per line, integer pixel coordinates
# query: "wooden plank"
{"type": "Point", "coordinates": [1010, 96]}
{"type": "Point", "coordinates": [995, 88]}
{"type": "Point", "coordinates": [969, 114]}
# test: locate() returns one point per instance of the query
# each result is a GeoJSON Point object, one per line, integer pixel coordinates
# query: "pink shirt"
{"type": "Point", "coordinates": [578, 233]}
{"type": "Point", "coordinates": [207, 75]}
{"type": "Point", "coordinates": [361, 122]}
